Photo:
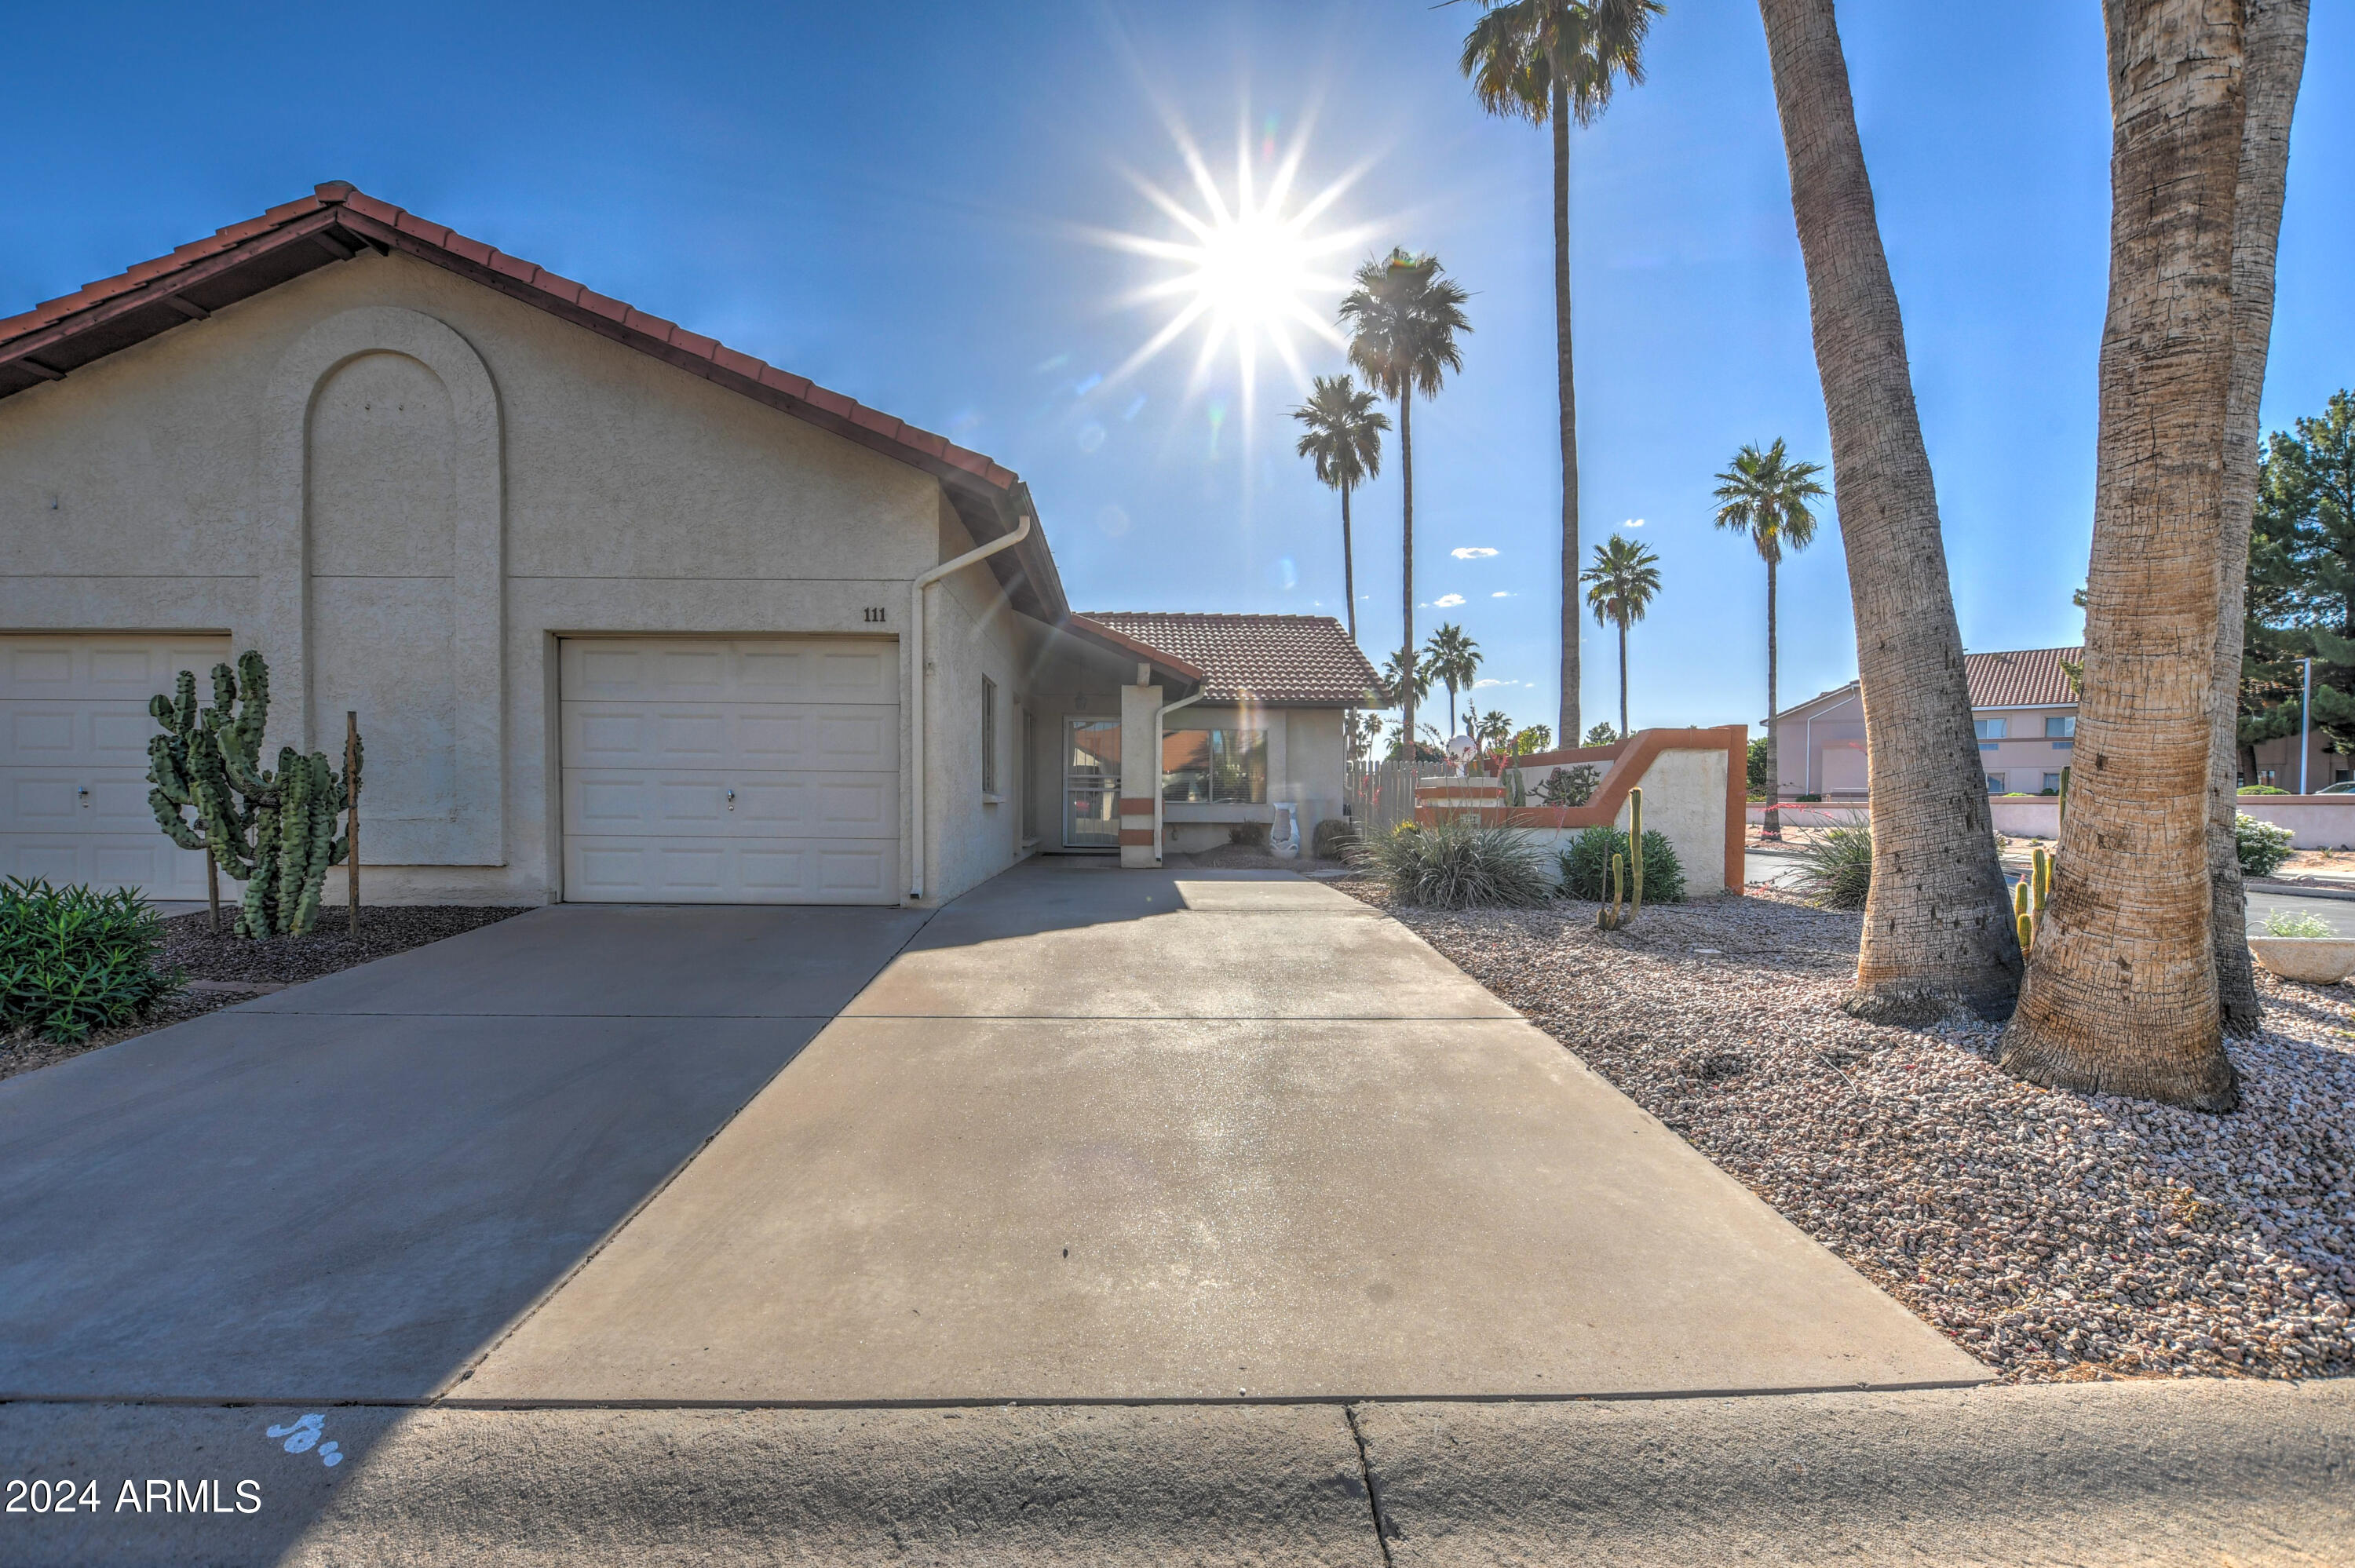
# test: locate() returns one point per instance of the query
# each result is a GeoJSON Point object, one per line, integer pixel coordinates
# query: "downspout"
{"type": "Point", "coordinates": [1160, 803]}
{"type": "Point", "coordinates": [922, 832]}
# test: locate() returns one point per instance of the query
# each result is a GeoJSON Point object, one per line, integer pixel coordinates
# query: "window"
{"type": "Point", "coordinates": [988, 736]}
{"type": "Point", "coordinates": [2052, 783]}
{"type": "Point", "coordinates": [1995, 784]}
{"type": "Point", "coordinates": [2060, 727]}
{"type": "Point", "coordinates": [2264, 775]}
{"type": "Point", "coordinates": [1988, 729]}
{"type": "Point", "coordinates": [1214, 765]}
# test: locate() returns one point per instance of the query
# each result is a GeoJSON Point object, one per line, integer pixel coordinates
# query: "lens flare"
{"type": "Point", "coordinates": [1248, 265]}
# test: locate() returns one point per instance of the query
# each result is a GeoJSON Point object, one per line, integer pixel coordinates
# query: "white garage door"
{"type": "Point", "coordinates": [73, 759]}
{"type": "Point", "coordinates": [753, 771]}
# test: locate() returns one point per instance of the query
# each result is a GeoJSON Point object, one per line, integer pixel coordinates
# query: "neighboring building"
{"type": "Point", "coordinates": [1267, 727]}
{"type": "Point", "coordinates": [2022, 705]}
{"type": "Point", "coordinates": [625, 615]}
{"type": "Point", "coordinates": [2025, 710]}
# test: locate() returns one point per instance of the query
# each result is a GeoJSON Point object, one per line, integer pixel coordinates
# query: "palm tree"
{"type": "Point", "coordinates": [1937, 929]}
{"type": "Point", "coordinates": [2121, 995]}
{"type": "Point", "coordinates": [1403, 682]}
{"type": "Point", "coordinates": [1494, 730]}
{"type": "Point", "coordinates": [1345, 437]}
{"type": "Point", "coordinates": [1454, 661]}
{"type": "Point", "coordinates": [1624, 578]}
{"type": "Point", "coordinates": [2276, 44]}
{"type": "Point", "coordinates": [1402, 318]}
{"type": "Point", "coordinates": [1766, 495]}
{"type": "Point", "coordinates": [1551, 62]}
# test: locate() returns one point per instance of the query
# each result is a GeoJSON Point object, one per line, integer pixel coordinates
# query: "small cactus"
{"type": "Point", "coordinates": [1613, 913]}
{"type": "Point", "coordinates": [2027, 925]}
{"type": "Point", "coordinates": [274, 831]}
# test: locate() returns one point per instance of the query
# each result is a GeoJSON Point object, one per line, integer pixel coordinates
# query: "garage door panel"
{"type": "Point", "coordinates": [729, 870]}
{"type": "Point", "coordinates": [160, 869]}
{"type": "Point", "coordinates": [821, 670]}
{"type": "Point", "coordinates": [722, 734]}
{"type": "Point", "coordinates": [74, 730]}
{"type": "Point", "coordinates": [745, 770]}
{"type": "Point", "coordinates": [612, 803]}
{"type": "Point", "coordinates": [95, 667]}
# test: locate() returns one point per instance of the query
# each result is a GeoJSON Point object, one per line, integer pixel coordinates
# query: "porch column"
{"type": "Point", "coordinates": [1140, 771]}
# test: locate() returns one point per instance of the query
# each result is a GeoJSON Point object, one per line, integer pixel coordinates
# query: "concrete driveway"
{"type": "Point", "coordinates": [1099, 1135]}
{"type": "Point", "coordinates": [342, 1191]}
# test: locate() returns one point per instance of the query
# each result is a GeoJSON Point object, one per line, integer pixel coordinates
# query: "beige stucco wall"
{"type": "Point", "coordinates": [317, 473]}
{"type": "Point", "coordinates": [1684, 798]}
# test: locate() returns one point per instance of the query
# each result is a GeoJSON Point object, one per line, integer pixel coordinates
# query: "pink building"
{"type": "Point", "coordinates": [2025, 710]}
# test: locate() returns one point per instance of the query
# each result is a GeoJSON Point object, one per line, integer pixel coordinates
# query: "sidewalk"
{"type": "Point", "coordinates": [2086, 1473]}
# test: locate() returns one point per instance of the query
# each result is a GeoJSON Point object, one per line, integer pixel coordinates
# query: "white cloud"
{"type": "Point", "coordinates": [1472, 552]}
{"type": "Point", "coordinates": [1633, 522]}
{"type": "Point", "coordinates": [1502, 593]}
{"type": "Point", "coordinates": [1490, 681]}
{"type": "Point", "coordinates": [1447, 602]}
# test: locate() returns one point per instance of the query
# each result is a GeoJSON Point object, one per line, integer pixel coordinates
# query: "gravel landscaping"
{"type": "Point", "coordinates": [2056, 1236]}
{"type": "Point", "coordinates": [228, 969]}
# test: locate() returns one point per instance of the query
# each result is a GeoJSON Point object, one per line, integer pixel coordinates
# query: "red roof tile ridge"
{"type": "Point", "coordinates": [344, 193]}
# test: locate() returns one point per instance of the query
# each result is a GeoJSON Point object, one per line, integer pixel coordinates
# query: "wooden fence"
{"type": "Point", "coordinates": [1381, 794]}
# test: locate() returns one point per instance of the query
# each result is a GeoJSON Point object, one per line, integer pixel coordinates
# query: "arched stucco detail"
{"type": "Point", "coordinates": [476, 834]}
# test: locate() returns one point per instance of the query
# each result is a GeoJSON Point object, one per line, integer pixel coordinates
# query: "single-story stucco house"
{"type": "Point", "coordinates": [625, 614]}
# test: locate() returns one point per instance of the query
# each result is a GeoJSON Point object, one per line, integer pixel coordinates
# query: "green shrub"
{"type": "Point", "coordinates": [72, 960]}
{"type": "Point", "coordinates": [2261, 789]}
{"type": "Point", "coordinates": [1586, 867]}
{"type": "Point", "coordinates": [2263, 846]}
{"type": "Point", "coordinates": [1250, 835]}
{"type": "Point", "coordinates": [1457, 864]}
{"type": "Point", "coordinates": [2282, 923]}
{"type": "Point", "coordinates": [1333, 838]}
{"type": "Point", "coordinates": [1836, 866]}
{"type": "Point", "coordinates": [1807, 798]}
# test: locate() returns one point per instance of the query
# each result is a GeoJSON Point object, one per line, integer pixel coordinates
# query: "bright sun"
{"type": "Point", "coordinates": [1245, 264]}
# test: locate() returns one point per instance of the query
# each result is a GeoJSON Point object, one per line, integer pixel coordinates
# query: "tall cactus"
{"type": "Point", "coordinates": [1635, 850]}
{"type": "Point", "coordinates": [274, 831]}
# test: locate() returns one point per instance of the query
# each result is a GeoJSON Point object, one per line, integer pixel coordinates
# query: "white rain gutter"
{"type": "Point", "coordinates": [923, 834]}
{"type": "Point", "coordinates": [1160, 805]}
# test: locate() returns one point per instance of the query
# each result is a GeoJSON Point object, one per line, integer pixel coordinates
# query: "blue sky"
{"type": "Point", "coordinates": [904, 205]}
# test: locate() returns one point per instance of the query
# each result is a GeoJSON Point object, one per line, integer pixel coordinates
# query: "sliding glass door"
{"type": "Point", "coordinates": [1091, 784]}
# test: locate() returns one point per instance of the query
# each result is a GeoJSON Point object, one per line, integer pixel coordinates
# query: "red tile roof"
{"type": "Point", "coordinates": [1298, 660]}
{"type": "Point", "coordinates": [2025, 678]}
{"type": "Point", "coordinates": [336, 222]}
{"type": "Point", "coordinates": [2018, 678]}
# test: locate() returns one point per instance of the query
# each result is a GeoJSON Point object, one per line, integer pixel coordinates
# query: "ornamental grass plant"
{"type": "Point", "coordinates": [1457, 863]}
{"type": "Point", "coordinates": [1836, 866]}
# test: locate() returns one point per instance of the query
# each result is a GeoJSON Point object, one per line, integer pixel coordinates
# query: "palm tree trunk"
{"type": "Point", "coordinates": [1623, 680]}
{"type": "Point", "coordinates": [2276, 44]}
{"type": "Point", "coordinates": [1567, 383]}
{"type": "Point", "coordinates": [1406, 484]}
{"type": "Point", "coordinates": [1937, 924]}
{"type": "Point", "coordinates": [2121, 992]}
{"type": "Point", "coordinates": [1348, 565]}
{"type": "Point", "coordinates": [1773, 830]}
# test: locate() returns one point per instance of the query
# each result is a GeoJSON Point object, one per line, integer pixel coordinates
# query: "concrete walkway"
{"type": "Point", "coordinates": [341, 1191]}
{"type": "Point", "coordinates": [1127, 1136]}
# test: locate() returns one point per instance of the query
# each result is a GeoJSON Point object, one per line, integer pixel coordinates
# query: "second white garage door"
{"type": "Point", "coordinates": [73, 759]}
{"type": "Point", "coordinates": [753, 771]}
